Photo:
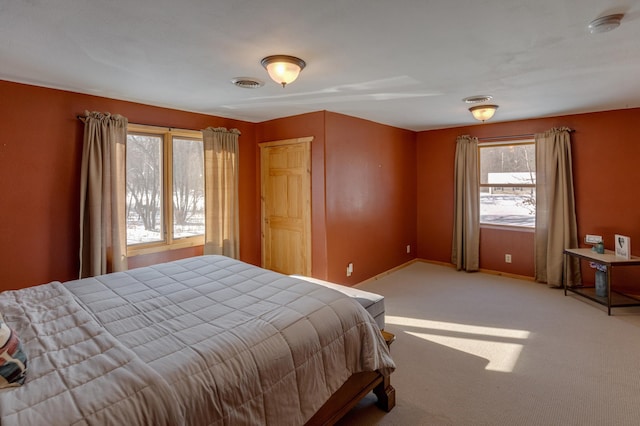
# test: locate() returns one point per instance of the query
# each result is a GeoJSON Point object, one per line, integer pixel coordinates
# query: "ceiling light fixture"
{"type": "Point", "coordinates": [283, 69]}
{"type": "Point", "coordinates": [605, 23]}
{"type": "Point", "coordinates": [483, 112]}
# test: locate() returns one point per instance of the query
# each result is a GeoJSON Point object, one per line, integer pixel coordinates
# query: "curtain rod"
{"type": "Point", "coordinates": [81, 117]}
{"type": "Point", "coordinates": [498, 138]}
{"type": "Point", "coordinates": [509, 137]}
{"type": "Point", "coordinates": [174, 129]}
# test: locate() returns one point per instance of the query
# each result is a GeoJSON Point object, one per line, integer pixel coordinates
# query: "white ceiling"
{"type": "Point", "coordinates": [406, 63]}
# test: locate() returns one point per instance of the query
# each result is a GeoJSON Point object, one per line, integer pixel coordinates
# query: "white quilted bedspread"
{"type": "Point", "coordinates": [78, 373]}
{"type": "Point", "coordinates": [233, 343]}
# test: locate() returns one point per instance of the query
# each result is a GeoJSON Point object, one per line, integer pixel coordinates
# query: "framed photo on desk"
{"type": "Point", "coordinates": [623, 246]}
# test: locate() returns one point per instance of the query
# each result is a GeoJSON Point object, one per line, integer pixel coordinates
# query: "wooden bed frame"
{"type": "Point", "coordinates": [353, 390]}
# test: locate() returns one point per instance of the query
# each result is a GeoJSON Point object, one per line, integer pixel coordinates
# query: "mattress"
{"type": "Point", "coordinates": [204, 340]}
{"type": "Point", "coordinates": [373, 303]}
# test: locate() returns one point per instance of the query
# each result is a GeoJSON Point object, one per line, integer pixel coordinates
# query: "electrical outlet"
{"type": "Point", "coordinates": [408, 248]}
{"type": "Point", "coordinates": [349, 269]}
{"type": "Point", "coordinates": [507, 258]}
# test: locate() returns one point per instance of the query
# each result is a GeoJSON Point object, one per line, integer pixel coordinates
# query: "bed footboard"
{"type": "Point", "coordinates": [354, 389]}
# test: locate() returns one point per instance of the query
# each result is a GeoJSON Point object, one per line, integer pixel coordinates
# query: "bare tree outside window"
{"type": "Point", "coordinates": [507, 183]}
{"type": "Point", "coordinates": [188, 188]}
{"type": "Point", "coordinates": [144, 189]}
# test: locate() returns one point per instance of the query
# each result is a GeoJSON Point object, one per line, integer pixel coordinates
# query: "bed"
{"type": "Point", "coordinates": [204, 340]}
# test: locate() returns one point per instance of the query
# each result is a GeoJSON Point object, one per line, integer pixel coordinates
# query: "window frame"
{"type": "Point", "coordinates": [169, 242]}
{"type": "Point", "coordinates": [504, 142]}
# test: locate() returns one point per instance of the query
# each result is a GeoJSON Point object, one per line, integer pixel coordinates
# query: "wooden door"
{"type": "Point", "coordinates": [286, 205]}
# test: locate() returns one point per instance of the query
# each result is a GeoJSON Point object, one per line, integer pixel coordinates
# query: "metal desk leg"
{"type": "Point", "coordinates": [609, 290]}
{"type": "Point", "coordinates": [564, 267]}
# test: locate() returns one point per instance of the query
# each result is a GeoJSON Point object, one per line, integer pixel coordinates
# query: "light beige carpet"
{"type": "Point", "coordinates": [480, 349]}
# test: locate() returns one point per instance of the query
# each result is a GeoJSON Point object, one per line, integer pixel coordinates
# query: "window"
{"type": "Point", "coordinates": [507, 183]}
{"type": "Point", "coordinates": [165, 189]}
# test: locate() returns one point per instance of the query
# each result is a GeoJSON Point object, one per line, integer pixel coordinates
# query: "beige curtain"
{"type": "Point", "coordinates": [103, 240]}
{"type": "Point", "coordinates": [465, 250]}
{"type": "Point", "coordinates": [556, 227]}
{"type": "Point", "coordinates": [221, 191]}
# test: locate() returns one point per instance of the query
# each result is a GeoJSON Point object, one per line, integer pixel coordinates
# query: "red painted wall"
{"type": "Point", "coordinates": [435, 155]}
{"type": "Point", "coordinates": [519, 243]}
{"type": "Point", "coordinates": [606, 171]}
{"type": "Point", "coordinates": [40, 154]}
{"type": "Point", "coordinates": [370, 197]}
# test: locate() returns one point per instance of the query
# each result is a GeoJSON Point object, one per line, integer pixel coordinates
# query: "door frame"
{"type": "Point", "coordinates": [307, 220]}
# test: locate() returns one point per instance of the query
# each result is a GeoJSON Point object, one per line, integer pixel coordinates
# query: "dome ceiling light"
{"type": "Point", "coordinates": [481, 112]}
{"type": "Point", "coordinates": [283, 69]}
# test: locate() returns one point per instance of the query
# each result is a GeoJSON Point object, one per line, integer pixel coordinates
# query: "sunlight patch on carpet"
{"type": "Point", "coordinates": [475, 340]}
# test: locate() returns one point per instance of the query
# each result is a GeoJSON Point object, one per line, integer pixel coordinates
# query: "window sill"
{"type": "Point", "coordinates": [513, 228]}
{"type": "Point", "coordinates": [159, 248]}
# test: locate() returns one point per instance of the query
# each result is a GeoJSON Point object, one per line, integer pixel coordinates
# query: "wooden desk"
{"type": "Point", "coordinates": [614, 298]}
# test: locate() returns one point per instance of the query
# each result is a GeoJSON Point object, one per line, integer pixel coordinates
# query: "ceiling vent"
{"type": "Point", "coordinates": [247, 82]}
{"type": "Point", "coordinates": [477, 99]}
{"type": "Point", "coordinates": [605, 23]}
